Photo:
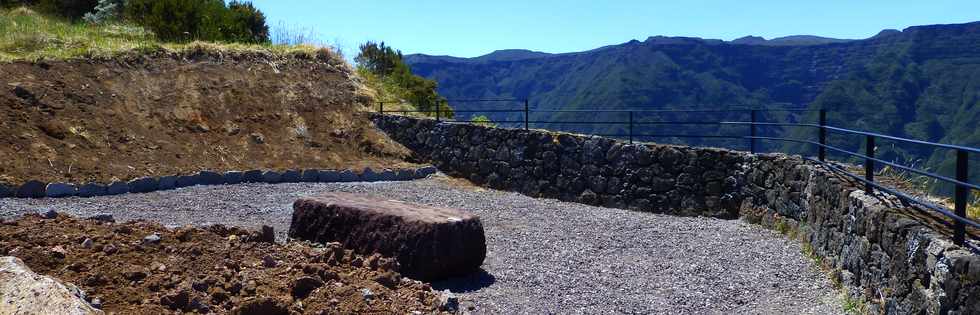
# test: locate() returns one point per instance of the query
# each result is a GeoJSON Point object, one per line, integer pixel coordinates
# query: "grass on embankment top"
{"type": "Point", "coordinates": [28, 35]}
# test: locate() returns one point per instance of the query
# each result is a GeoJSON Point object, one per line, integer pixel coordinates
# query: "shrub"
{"type": "Point", "coordinates": [72, 9]}
{"type": "Point", "coordinates": [208, 20]}
{"type": "Point", "coordinates": [483, 120]}
{"type": "Point", "coordinates": [246, 24]}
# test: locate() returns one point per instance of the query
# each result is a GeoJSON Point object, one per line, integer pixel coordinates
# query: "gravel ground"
{"type": "Point", "coordinates": [544, 256]}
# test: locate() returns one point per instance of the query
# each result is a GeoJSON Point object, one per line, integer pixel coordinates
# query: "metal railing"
{"type": "Point", "coordinates": [958, 215]}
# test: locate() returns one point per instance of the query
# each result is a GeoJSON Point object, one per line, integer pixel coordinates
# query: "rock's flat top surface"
{"type": "Point", "coordinates": [542, 255]}
{"type": "Point", "coordinates": [406, 211]}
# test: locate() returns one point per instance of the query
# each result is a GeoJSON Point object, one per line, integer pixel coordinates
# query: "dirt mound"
{"type": "Point", "coordinates": [144, 268]}
{"type": "Point", "coordinates": [164, 113]}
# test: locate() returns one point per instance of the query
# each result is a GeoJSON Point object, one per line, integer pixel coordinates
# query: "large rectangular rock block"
{"type": "Point", "coordinates": [430, 243]}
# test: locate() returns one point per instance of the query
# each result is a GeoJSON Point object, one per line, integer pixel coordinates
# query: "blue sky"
{"type": "Point", "coordinates": [472, 28]}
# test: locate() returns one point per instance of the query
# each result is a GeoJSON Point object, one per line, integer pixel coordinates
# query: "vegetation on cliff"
{"type": "Point", "coordinates": [169, 20]}
{"type": "Point", "coordinates": [28, 35]}
{"type": "Point", "coordinates": [385, 71]}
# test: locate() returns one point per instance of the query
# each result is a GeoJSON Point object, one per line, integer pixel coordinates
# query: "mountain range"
{"type": "Point", "coordinates": [922, 82]}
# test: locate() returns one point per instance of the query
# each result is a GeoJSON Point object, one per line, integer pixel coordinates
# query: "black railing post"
{"type": "Point", "coordinates": [437, 111]}
{"type": "Point", "coordinates": [752, 132]}
{"type": "Point", "coordinates": [381, 107]}
{"type": "Point", "coordinates": [631, 127]}
{"type": "Point", "coordinates": [526, 111]}
{"type": "Point", "coordinates": [869, 164]}
{"type": "Point", "coordinates": [963, 175]}
{"type": "Point", "coordinates": [822, 151]}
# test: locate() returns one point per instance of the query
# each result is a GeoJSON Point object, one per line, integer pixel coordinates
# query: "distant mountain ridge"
{"type": "Point", "coordinates": [922, 82]}
{"type": "Point", "coordinates": [522, 54]}
{"type": "Point", "coordinates": [795, 40]}
{"type": "Point", "coordinates": [498, 55]}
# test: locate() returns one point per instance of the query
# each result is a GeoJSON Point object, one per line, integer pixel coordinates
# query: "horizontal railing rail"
{"type": "Point", "coordinates": [958, 215]}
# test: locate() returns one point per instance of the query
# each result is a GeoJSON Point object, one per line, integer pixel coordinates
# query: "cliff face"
{"type": "Point", "coordinates": [169, 113]}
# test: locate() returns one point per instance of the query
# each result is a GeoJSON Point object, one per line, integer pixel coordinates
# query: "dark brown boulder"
{"type": "Point", "coordinates": [430, 243]}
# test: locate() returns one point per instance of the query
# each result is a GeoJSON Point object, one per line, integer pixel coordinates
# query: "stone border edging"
{"type": "Point", "coordinates": [40, 189]}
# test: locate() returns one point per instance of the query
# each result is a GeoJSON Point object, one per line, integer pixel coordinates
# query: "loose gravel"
{"type": "Point", "coordinates": [544, 256]}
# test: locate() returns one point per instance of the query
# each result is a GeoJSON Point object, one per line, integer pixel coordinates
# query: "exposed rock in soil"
{"type": "Point", "coordinates": [24, 292]}
{"type": "Point", "coordinates": [215, 269]}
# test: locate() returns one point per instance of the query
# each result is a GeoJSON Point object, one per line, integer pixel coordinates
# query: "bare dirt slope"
{"type": "Point", "coordinates": [164, 113]}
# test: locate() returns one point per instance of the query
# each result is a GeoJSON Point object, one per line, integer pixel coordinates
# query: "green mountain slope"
{"type": "Point", "coordinates": [920, 83]}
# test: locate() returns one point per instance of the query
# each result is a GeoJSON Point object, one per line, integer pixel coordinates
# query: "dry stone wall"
{"type": "Point", "coordinates": [591, 170]}
{"type": "Point", "coordinates": [879, 250]}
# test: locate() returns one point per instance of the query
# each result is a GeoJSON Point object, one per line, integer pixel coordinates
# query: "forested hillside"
{"type": "Point", "coordinates": [921, 83]}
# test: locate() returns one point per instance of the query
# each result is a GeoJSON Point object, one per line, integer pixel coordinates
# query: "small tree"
{"type": "Point", "coordinates": [386, 62]}
{"type": "Point", "coordinates": [380, 59]}
{"type": "Point", "coordinates": [246, 23]}
{"type": "Point", "coordinates": [106, 10]}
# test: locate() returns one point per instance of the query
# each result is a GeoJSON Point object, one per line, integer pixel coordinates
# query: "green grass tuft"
{"type": "Point", "coordinates": [973, 208]}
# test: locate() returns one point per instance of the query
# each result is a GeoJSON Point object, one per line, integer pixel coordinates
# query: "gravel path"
{"type": "Point", "coordinates": [544, 256]}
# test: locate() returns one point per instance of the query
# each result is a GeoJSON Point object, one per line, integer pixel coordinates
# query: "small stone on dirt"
{"type": "Point", "coordinates": [388, 279]}
{"type": "Point", "coordinates": [304, 286]}
{"type": "Point", "coordinates": [135, 275]}
{"type": "Point", "coordinates": [110, 249]}
{"type": "Point", "coordinates": [184, 234]}
{"type": "Point", "coordinates": [269, 262]}
{"type": "Point", "coordinates": [257, 138]}
{"type": "Point", "coordinates": [262, 306]}
{"type": "Point", "coordinates": [104, 217]}
{"type": "Point", "coordinates": [54, 129]}
{"type": "Point", "coordinates": [177, 300]}
{"type": "Point", "coordinates": [448, 302]}
{"type": "Point", "coordinates": [152, 239]}
{"type": "Point", "coordinates": [266, 235]}
{"type": "Point", "coordinates": [367, 294]}
{"type": "Point", "coordinates": [158, 266]}
{"type": "Point", "coordinates": [59, 252]}
{"type": "Point", "coordinates": [200, 307]}
{"type": "Point", "coordinates": [48, 214]}
{"type": "Point", "coordinates": [96, 303]}
{"type": "Point", "coordinates": [87, 243]}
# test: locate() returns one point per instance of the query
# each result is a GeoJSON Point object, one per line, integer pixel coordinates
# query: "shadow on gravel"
{"type": "Point", "coordinates": [469, 283]}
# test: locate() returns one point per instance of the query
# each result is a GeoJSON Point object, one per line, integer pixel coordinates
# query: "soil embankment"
{"type": "Point", "coordinates": [144, 268]}
{"type": "Point", "coordinates": [164, 113]}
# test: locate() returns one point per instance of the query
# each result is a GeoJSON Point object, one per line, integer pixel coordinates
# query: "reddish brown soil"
{"type": "Point", "coordinates": [216, 269]}
{"type": "Point", "coordinates": [168, 113]}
